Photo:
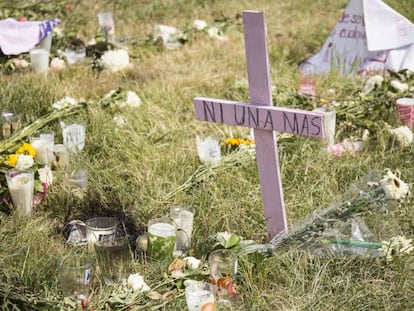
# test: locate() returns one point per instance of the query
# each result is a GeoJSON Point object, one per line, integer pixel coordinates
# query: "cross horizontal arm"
{"type": "Point", "coordinates": [295, 121]}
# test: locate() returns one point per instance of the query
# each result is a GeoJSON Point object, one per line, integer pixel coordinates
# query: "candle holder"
{"type": "Point", "coordinates": [200, 296]}
{"type": "Point", "coordinates": [21, 188]}
{"type": "Point", "coordinates": [161, 239]}
{"type": "Point", "coordinates": [43, 143]}
{"type": "Point", "coordinates": [10, 124]}
{"type": "Point", "coordinates": [100, 228]}
{"type": "Point", "coordinates": [75, 277]}
{"type": "Point", "coordinates": [113, 256]}
{"type": "Point", "coordinates": [223, 270]}
{"type": "Point", "coordinates": [183, 218]}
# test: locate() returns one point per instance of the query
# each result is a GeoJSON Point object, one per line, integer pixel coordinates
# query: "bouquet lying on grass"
{"type": "Point", "coordinates": [363, 222]}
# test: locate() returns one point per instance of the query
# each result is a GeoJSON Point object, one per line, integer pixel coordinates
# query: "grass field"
{"type": "Point", "coordinates": [137, 171]}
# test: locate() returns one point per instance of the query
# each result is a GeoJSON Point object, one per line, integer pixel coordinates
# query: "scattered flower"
{"type": "Point", "coordinates": [404, 135]}
{"type": "Point", "coordinates": [208, 149]}
{"type": "Point", "coordinates": [132, 100]}
{"type": "Point", "coordinates": [26, 149]}
{"type": "Point", "coordinates": [24, 162]}
{"type": "Point", "coordinates": [45, 175]}
{"type": "Point", "coordinates": [115, 60]}
{"type": "Point", "coordinates": [398, 86]}
{"type": "Point", "coordinates": [215, 33]}
{"type": "Point", "coordinates": [20, 63]}
{"type": "Point", "coordinates": [396, 246]}
{"type": "Point", "coordinates": [372, 83]}
{"type": "Point", "coordinates": [199, 24]}
{"type": "Point", "coordinates": [57, 64]}
{"type": "Point", "coordinates": [137, 283]}
{"type": "Point", "coordinates": [192, 262]}
{"type": "Point", "coordinates": [169, 35]}
{"type": "Point", "coordinates": [393, 186]}
{"type": "Point", "coordinates": [57, 31]}
{"type": "Point", "coordinates": [119, 121]}
{"type": "Point", "coordinates": [65, 102]}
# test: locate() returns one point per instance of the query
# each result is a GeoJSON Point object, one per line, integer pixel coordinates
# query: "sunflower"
{"type": "Point", "coordinates": [26, 149]}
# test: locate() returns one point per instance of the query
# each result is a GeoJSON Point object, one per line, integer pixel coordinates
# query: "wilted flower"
{"type": "Point", "coordinates": [372, 82]}
{"type": "Point", "coordinates": [20, 63]}
{"type": "Point", "coordinates": [396, 246]}
{"type": "Point", "coordinates": [65, 102]}
{"type": "Point", "coordinates": [57, 64]}
{"type": "Point", "coordinates": [404, 135]}
{"type": "Point", "coordinates": [137, 283]}
{"type": "Point", "coordinates": [192, 262]}
{"type": "Point", "coordinates": [115, 60]}
{"type": "Point", "coordinates": [398, 86]}
{"type": "Point", "coordinates": [45, 175]}
{"type": "Point", "coordinates": [199, 24]}
{"type": "Point", "coordinates": [393, 186]}
{"type": "Point", "coordinates": [208, 149]}
{"type": "Point", "coordinates": [24, 162]}
{"type": "Point", "coordinates": [214, 32]}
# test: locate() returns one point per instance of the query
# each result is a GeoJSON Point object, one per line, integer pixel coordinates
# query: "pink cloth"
{"type": "Point", "coordinates": [19, 37]}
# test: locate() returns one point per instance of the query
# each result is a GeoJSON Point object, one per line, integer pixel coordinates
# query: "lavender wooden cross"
{"type": "Point", "coordinates": [263, 118]}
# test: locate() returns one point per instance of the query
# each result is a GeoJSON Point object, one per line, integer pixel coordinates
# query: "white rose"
{"type": "Point", "coordinates": [398, 86]}
{"type": "Point", "coordinates": [24, 162]}
{"type": "Point", "coordinates": [65, 102]}
{"type": "Point", "coordinates": [132, 99]}
{"type": "Point", "coordinates": [192, 262]}
{"type": "Point", "coordinates": [199, 24]}
{"type": "Point", "coordinates": [404, 135]}
{"type": "Point", "coordinates": [372, 82]}
{"type": "Point", "coordinates": [136, 282]}
{"type": "Point", "coordinates": [115, 60]}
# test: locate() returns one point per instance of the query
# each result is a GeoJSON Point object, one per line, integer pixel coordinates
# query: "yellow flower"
{"type": "Point", "coordinates": [12, 160]}
{"type": "Point", "coordinates": [26, 149]}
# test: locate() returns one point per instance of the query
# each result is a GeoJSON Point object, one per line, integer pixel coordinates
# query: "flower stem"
{"type": "Point", "coordinates": [354, 243]}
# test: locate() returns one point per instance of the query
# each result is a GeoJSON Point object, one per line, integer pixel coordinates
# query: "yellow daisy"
{"type": "Point", "coordinates": [12, 160]}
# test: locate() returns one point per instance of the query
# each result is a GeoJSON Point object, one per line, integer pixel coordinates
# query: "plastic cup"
{"type": "Point", "coordinates": [200, 296]}
{"type": "Point", "coordinates": [100, 228]}
{"type": "Point", "coordinates": [40, 60]}
{"type": "Point", "coordinates": [329, 123]}
{"type": "Point", "coordinates": [183, 218]}
{"type": "Point", "coordinates": [43, 143]}
{"type": "Point", "coordinates": [405, 109]}
{"type": "Point", "coordinates": [75, 277]}
{"type": "Point", "coordinates": [106, 24]}
{"type": "Point", "coordinates": [45, 43]}
{"type": "Point", "coordinates": [21, 188]}
{"type": "Point", "coordinates": [10, 124]}
{"type": "Point", "coordinates": [113, 256]}
{"type": "Point", "coordinates": [223, 270]}
{"type": "Point", "coordinates": [161, 239]}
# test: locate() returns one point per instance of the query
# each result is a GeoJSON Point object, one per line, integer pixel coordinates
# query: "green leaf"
{"type": "Point", "coordinates": [233, 240]}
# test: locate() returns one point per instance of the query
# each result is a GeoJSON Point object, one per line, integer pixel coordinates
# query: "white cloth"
{"type": "Point", "coordinates": [369, 36]}
{"type": "Point", "coordinates": [19, 37]}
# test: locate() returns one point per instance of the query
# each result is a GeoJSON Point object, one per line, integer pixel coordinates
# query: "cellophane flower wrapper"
{"type": "Point", "coordinates": [362, 214]}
